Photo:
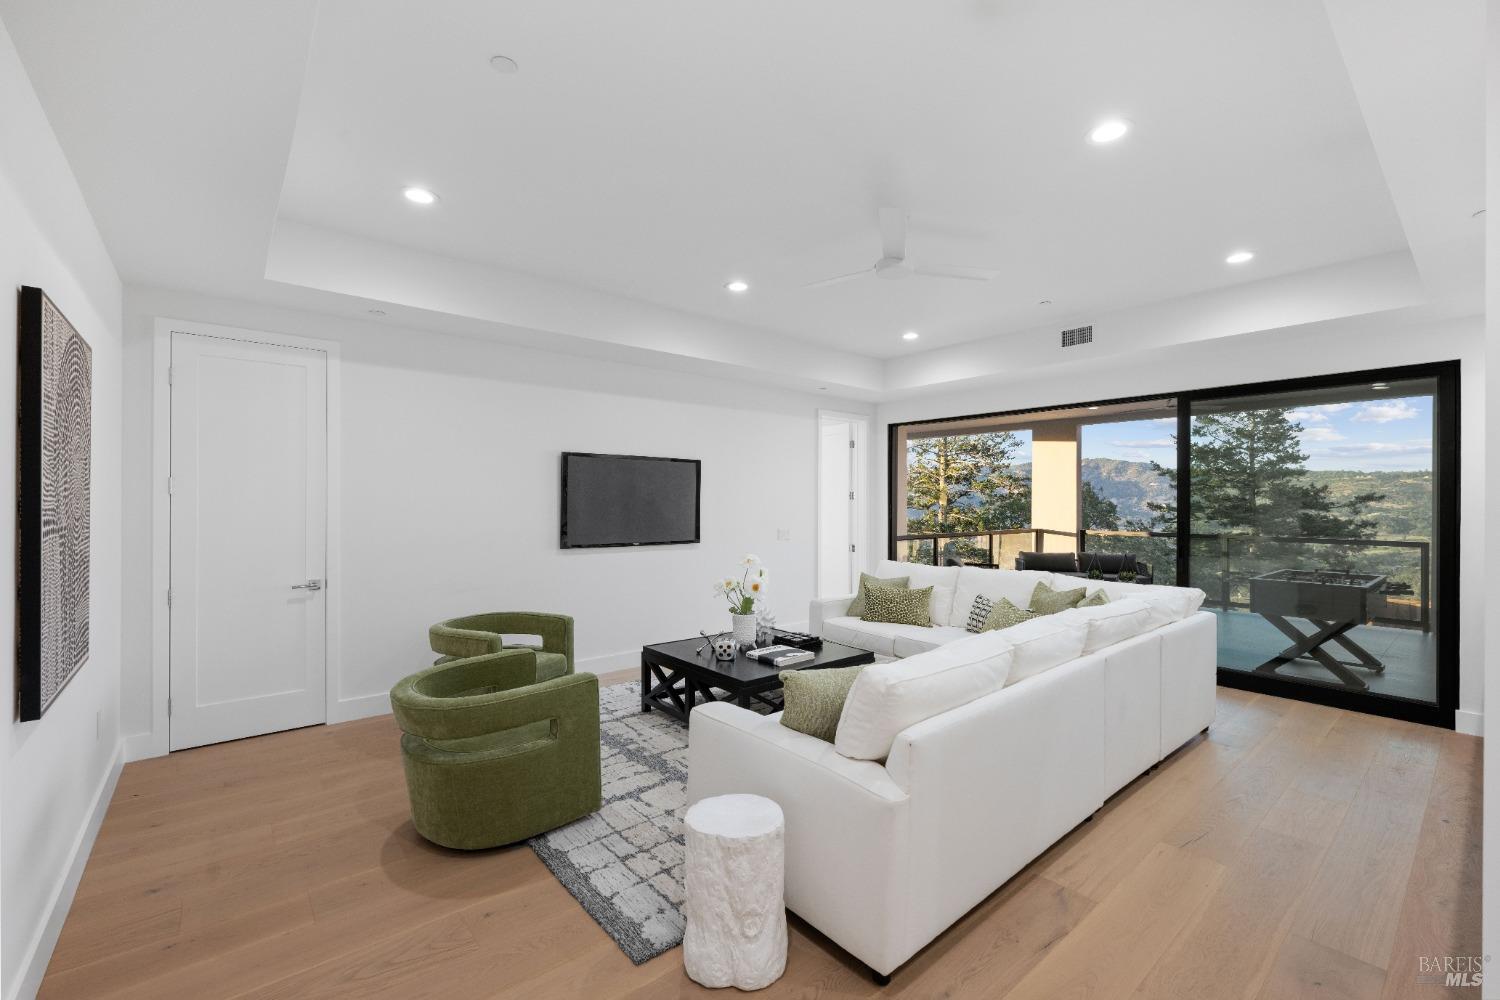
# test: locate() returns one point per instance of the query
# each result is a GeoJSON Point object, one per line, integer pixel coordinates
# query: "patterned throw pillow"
{"type": "Point", "coordinates": [898, 607]}
{"type": "Point", "coordinates": [1095, 599]}
{"type": "Point", "coordinates": [979, 612]}
{"type": "Point", "coordinates": [815, 699]}
{"type": "Point", "coordinates": [857, 606]}
{"type": "Point", "coordinates": [1046, 601]}
{"type": "Point", "coordinates": [1006, 614]}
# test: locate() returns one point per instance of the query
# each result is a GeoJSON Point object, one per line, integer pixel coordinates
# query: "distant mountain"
{"type": "Point", "coordinates": [1129, 485]}
{"type": "Point", "coordinates": [1405, 512]}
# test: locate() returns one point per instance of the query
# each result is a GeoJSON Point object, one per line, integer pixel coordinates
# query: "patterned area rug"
{"type": "Point", "coordinates": [624, 862]}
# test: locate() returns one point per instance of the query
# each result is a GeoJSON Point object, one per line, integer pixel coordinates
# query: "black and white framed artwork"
{"type": "Point", "coordinates": [54, 396]}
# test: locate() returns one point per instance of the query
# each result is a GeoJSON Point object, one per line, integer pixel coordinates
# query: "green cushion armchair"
{"type": "Point", "coordinates": [493, 755]}
{"type": "Point", "coordinates": [473, 635]}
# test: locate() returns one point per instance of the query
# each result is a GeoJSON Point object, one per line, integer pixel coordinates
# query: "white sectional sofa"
{"type": "Point", "coordinates": [883, 855]}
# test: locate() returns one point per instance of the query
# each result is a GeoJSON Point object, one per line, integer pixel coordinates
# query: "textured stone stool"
{"type": "Point", "coordinates": [736, 919]}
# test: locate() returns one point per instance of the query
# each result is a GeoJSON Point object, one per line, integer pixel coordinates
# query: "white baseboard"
{"type": "Point", "coordinates": [1469, 723]}
{"type": "Point", "coordinates": [142, 746]}
{"type": "Point", "coordinates": [362, 707]}
{"type": "Point", "coordinates": [608, 662]}
{"type": "Point", "coordinates": [39, 952]}
{"type": "Point", "coordinates": [631, 658]}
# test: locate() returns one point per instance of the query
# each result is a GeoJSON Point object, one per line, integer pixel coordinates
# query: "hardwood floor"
{"type": "Point", "coordinates": [1296, 851]}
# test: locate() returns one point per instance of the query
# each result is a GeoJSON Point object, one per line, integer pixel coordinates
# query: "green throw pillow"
{"type": "Point", "coordinates": [1095, 599]}
{"type": "Point", "coordinates": [857, 606]}
{"type": "Point", "coordinates": [1004, 615]}
{"type": "Point", "coordinates": [1046, 601]}
{"type": "Point", "coordinates": [898, 607]}
{"type": "Point", "coordinates": [814, 699]}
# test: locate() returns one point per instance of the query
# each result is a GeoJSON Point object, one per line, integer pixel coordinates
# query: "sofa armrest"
{"type": "Point", "coordinates": [823, 608]}
{"type": "Point", "coordinates": [846, 824]}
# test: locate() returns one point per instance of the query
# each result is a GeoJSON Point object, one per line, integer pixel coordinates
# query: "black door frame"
{"type": "Point", "coordinates": [1445, 474]}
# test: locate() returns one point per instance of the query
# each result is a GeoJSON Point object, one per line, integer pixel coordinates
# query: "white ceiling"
{"type": "Point", "coordinates": [648, 152]}
{"type": "Point", "coordinates": [657, 149]}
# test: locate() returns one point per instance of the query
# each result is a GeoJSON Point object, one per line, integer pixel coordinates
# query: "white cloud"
{"type": "Point", "coordinates": [1378, 449]}
{"type": "Point", "coordinates": [1319, 434]}
{"type": "Point", "coordinates": [1154, 443]}
{"type": "Point", "coordinates": [1308, 416]}
{"type": "Point", "coordinates": [1384, 413]}
{"type": "Point", "coordinates": [1317, 414]}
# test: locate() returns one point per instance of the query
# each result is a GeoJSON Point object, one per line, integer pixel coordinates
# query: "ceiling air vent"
{"type": "Point", "coordinates": [1078, 335]}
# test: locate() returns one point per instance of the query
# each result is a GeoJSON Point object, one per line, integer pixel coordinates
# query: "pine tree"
{"type": "Point", "coordinates": [965, 483]}
{"type": "Point", "coordinates": [1249, 477]}
{"type": "Point", "coordinates": [1099, 512]}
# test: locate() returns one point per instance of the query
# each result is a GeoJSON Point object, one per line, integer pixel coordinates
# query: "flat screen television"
{"type": "Point", "coordinates": [610, 500]}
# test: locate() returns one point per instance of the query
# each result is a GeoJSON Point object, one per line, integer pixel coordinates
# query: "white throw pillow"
{"type": "Point", "coordinates": [1042, 644]}
{"type": "Point", "coordinates": [888, 697]}
{"type": "Point", "coordinates": [1110, 623]}
{"type": "Point", "coordinates": [942, 580]}
{"type": "Point", "coordinates": [1012, 584]}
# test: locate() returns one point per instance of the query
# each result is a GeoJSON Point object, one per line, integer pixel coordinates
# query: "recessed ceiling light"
{"type": "Point", "coordinates": [503, 64]}
{"type": "Point", "coordinates": [1380, 385]}
{"type": "Point", "coordinates": [1045, 302]}
{"type": "Point", "coordinates": [737, 286]}
{"type": "Point", "coordinates": [910, 335]}
{"type": "Point", "coordinates": [1239, 257]}
{"type": "Point", "coordinates": [419, 196]}
{"type": "Point", "coordinates": [1109, 131]}
{"type": "Point", "coordinates": [376, 312]}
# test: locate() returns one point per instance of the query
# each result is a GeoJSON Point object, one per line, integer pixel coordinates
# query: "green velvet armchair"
{"type": "Point", "coordinates": [493, 753]}
{"type": "Point", "coordinates": [473, 635]}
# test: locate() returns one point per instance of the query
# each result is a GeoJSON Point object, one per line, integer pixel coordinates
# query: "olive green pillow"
{"type": "Point", "coordinates": [814, 699]}
{"type": "Point", "coordinates": [898, 607]}
{"type": "Point", "coordinates": [1005, 614]}
{"type": "Point", "coordinates": [857, 606]}
{"type": "Point", "coordinates": [1095, 599]}
{"type": "Point", "coordinates": [1046, 601]}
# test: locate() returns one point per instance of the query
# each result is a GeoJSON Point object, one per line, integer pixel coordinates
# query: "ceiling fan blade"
{"type": "Point", "coordinates": [893, 232]}
{"type": "Point", "coordinates": [961, 273]}
{"type": "Point", "coordinates": [843, 277]}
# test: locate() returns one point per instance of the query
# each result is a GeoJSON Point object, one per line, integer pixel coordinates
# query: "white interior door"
{"type": "Point", "coordinates": [249, 527]}
{"type": "Point", "coordinates": [838, 523]}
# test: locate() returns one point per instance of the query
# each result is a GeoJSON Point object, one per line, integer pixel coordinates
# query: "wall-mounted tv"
{"type": "Point", "coordinates": [610, 500]}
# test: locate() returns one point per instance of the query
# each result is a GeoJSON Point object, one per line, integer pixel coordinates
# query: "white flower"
{"type": "Point", "coordinates": [750, 561]}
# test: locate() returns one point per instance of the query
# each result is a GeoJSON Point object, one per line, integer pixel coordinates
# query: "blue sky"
{"type": "Point", "coordinates": [1377, 434]}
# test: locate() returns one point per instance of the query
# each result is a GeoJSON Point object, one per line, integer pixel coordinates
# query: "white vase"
{"type": "Point", "coordinates": [744, 630]}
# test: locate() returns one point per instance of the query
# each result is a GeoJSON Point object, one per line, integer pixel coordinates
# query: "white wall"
{"type": "Point", "coordinates": [1311, 350]}
{"type": "Point", "coordinates": [450, 475]}
{"type": "Point", "coordinates": [55, 773]}
{"type": "Point", "coordinates": [1491, 824]}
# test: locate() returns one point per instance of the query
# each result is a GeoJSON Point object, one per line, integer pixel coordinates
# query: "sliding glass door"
{"type": "Point", "coordinates": [1320, 517]}
{"type": "Point", "coordinates": [1314, 527]}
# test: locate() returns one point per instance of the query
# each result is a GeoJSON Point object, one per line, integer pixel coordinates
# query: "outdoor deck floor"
{"type": "Point", "coordinates": [1247, 640]}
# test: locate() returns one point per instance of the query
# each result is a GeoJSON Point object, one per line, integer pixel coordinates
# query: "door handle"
{"type": "Point", "coordinates": [309, 585]}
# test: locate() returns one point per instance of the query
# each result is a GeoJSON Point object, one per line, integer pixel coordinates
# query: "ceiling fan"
{"type": "Point", "coordinates": [893, 262]}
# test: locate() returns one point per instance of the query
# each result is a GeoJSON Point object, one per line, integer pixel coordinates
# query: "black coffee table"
{"type": "Point", "coordinates": [675, 677]}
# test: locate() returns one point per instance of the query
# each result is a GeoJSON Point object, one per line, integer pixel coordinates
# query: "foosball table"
{"type": "Point", "coordinates": [1333, 602]}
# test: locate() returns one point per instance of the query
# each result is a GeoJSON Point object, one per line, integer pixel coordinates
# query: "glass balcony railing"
{"type": "Point", "coordinates": [1222, 564]}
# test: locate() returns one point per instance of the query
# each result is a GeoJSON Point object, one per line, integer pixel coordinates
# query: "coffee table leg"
{"type": "Point", "coordinates": [645, 684]}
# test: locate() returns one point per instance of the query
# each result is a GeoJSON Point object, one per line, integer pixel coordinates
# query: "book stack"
{"type": "Point", "coordinates": [780, 656]}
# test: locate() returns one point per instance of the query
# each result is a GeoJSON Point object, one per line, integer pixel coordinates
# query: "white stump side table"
{"type": "Point", "coordinates": [735, 873]}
